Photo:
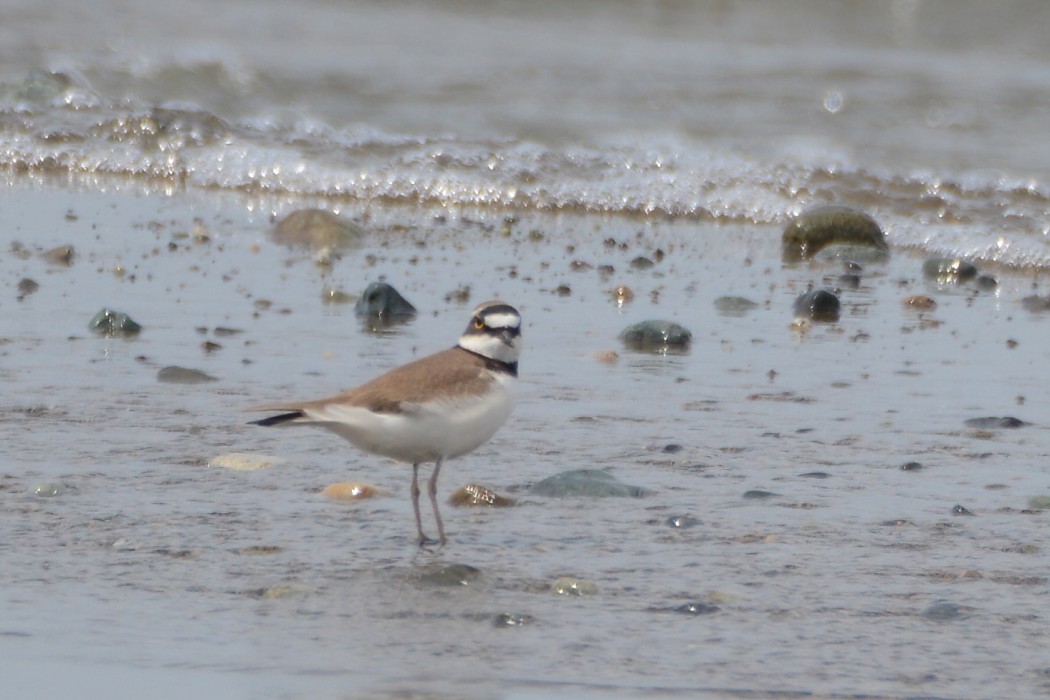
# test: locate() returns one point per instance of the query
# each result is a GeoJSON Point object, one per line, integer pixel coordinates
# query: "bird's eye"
{"type": "Point", "coordinates": [479, 324]}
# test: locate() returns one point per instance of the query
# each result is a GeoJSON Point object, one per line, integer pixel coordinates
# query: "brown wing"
{"type": "Point", "coordinates": [453, 372]}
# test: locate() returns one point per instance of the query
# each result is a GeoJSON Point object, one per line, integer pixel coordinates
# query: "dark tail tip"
{"type": "Point", "coordinates": [277, 420]}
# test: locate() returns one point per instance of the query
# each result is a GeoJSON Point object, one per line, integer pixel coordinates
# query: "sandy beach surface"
{"type": "Point", "coordinates": [779, 549]}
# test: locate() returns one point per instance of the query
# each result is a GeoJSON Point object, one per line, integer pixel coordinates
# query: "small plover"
{"type": "Point", "coordinates": [435, 408]}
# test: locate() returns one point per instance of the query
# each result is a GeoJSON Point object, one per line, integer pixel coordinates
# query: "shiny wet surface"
{"type": "Point", "coordinates": [128, 562]}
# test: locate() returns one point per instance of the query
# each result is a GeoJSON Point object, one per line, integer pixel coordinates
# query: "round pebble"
{"type": "Point", "coordinates": [944, 611]}
{"type": "Point", "coordinates": [47, 489]}
{"type": "Point", "coordinates": [682, 522]}
{"type": "Point", "coordinates": [512, 620]}
{"type": "Point", "coordinates": [349, 491]}
{"type": "Point", "coordinates": [477, 495]}
{"type": "Point", "coordinates": [569, 586]}
{"type": "Point", "coordinates": [593, 483]}
{"type": "Point", "coordinates": [656, 337]}
{"type": "Point", "coordinates": [818, 305]}
{"type": "Point", "coordinates": [381, 302]}
{"type": "Point", "coordinates": [451, 575]}
{"type": "Point", "coordinates": [920, 302]}
{"type": "Point", "coordinates": [183, 375]}
{"type": "Point", "coordinates": [949, 270]}
{"type": "Point", "coordinates": [734, 306]}
{"type": "Point", "coordinates": [114, 323]}
{"type": "Point", "coordinates": [832, 228]}
{"type": "Point", "coordinates": [318, 229]}
{"type": "Point", "coordinates": [696, 608]}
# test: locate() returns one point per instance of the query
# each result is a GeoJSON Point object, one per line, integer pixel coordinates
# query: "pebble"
{"type": "Point", "coordinates": [47, 489]}
{"type": "Point", "coordinates": [330, 295]}
{"type": "Point", "coordinates": [833, 228]}
{"type": "Point", "coordinates": [920, 302]}
{"type": "Point", "coordinates": [986, 283]}
{"type": "Point", "coordinates": [318, 229]}
{"type": "Point", "coordinates": [642, 263]}
{"type": "Point", "coordinates": [243, 461]}
{"type": "Point", "coordinates": [910, 467]}
{"type": "Point", "coordinates": [283, 590]}
{"type": "Point", "coordinates": [62, 255]}
{"type": "Point", "coordinates": [114, 323]}
{"type": "Point", "coordinates": [818, 305]}
{"type": "Point", "coordinates": [695, 608]}
{"type": "Point", "coordinates": [477, 495]}
{"type": "Point", "coordinates": [43, 86]}
{"type": "Point", "coordinates": [450, 575]}
{"type": "Point", "coordinates": [944, 611]}
{"type": "Point", "coordinates": [961, 510]}
{"type": "Point", "coordinates": [570, 586]}
{"type": "Point", "coordinates": [512, 620]}
{"type": "Point", "coordinates": [460, 295]}
{"type": "Point", "coordinates": [381, 302]}
{"type": "Point", "coordinates": [26, 287]}
{"type": "Point", "coordinates": [656, 337]}
{"type": "Point", "coordinates": [682, 522]}
{"type": "Point", "coordinates": [258, 550]}
{"type": "Point", "coordinates": [1035, 303]}
{"type": "Point", "coordinates": [995, 422]}
{"type": "Point", "coordinates": [622, 295]}
{"type": "Point", "coordinates": [849, 280]}
{"type": "Point", "coordinates": [759, 494]}
{"type": "Point", "coordinates": [949, 270]}
{"type": "Point", "coordinates": [734, 306]}
{"type": "Point", "coordinates": [593, 483]}
{"type": "Point", "coordinates": [349, 491]}
{"type": "Point", "coordinates": [174, 374]}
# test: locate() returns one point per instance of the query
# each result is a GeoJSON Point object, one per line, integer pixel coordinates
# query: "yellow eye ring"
{"type": "Point", "coordinates": [479, 324]}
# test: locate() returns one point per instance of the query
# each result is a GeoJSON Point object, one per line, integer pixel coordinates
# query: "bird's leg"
{"type": "Point", "coordinates": [432, 489]}
{"type": "Point", "coordinates": [415, 504]}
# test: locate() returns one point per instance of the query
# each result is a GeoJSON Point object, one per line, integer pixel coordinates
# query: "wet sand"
{"type": "Point", "coordinates": [149, 566]}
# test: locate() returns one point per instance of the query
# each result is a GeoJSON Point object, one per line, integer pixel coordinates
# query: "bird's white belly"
{"type": "Point", "coordinates": [424, 432]}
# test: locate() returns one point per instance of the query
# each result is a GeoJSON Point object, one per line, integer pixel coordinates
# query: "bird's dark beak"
{"type": "Point", "coordinates": [507, 335]}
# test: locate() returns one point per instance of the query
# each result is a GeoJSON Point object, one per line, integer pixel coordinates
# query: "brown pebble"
{"type": "Point", "coordinates": [623, 295]}
{"type": "Point", "coordinates": [477, 495]}
{"type": "Point", "coordinates": [607, 356]}
{"type": "Point", "coordinates": [26, 287]}
{"type": "Point", "coordinates": [920, 302]}
{"type": "Point", "coordinates": [347, 491]}
{"type": "Point", "coordinates": [62, 255]}
{"type": "Point", "coordinates": [642, 263]}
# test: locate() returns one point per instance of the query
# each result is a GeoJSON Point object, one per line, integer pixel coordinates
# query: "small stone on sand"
{"type": "Point", "coordinates": [243, 461]}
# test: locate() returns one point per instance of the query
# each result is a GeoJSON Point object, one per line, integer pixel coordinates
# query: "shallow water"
{"type": "Point", "coordinates": [929, 113]}
{"type": "Point", "coordinates": [151, 569]}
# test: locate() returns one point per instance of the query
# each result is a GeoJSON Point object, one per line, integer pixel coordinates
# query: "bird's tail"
{"type": "Point", "coordinates": [278, 419]}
